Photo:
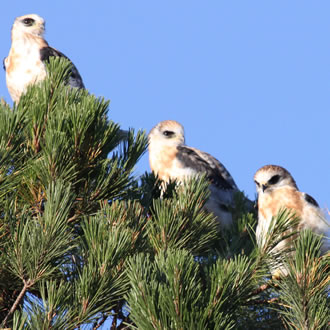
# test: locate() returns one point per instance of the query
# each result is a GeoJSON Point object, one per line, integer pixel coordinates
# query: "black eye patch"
{"type": "Point", "coordinates": [257, 183]}
{"type": "Point", "coordinates": [168, 133]}
{"type": "Point", "coordinates": [274, 179]}
{"type": "Point", "coordinates": [28, 21]}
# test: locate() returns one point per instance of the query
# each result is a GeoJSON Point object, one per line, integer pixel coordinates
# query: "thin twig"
{"type": "Point", "coordinates": [75, 216]}
{"type": "Point", "coordinates": [262, 288]}
{"type": "Point", "coordinates": [115, 316]}
{"type": "Point", "coordinates": [114, 322]}
{"type": "Point", "coordinates": [101, 322]}
{"type": "Point", "coordinates": [27, 284]}
{"type": "Point", "coordinates": [264, 302]}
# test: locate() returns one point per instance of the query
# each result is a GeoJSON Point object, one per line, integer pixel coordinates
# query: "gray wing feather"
{"type": "Point", "coordinates": [203, 162]}
{"type": "Point", "coordinates": [75, 79]}
{"type": "Point", "coordinates": [309, 199]}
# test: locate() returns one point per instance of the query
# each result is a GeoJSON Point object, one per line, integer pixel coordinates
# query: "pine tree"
{"type": "Point", "coordinates": [83, 242]}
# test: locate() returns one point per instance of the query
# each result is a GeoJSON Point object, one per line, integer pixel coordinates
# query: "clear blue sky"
{"type": "Point", "coordinates": [249, 80]}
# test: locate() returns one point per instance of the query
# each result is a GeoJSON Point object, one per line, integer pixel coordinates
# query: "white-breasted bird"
{"type": "Point", "coordinates": [171, 159]}
{"type": "Point", "coordinates": [25, 63]}
{"type": "Point", "coordinates": [278, 190]}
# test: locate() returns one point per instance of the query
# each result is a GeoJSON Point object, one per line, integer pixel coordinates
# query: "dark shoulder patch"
{"type": "Point", "coordinates": [191, 159]}
{"type": "Point", "coordinates": [75, 79]}
{"type": "Point", "coordinates": [309, 199]}
{"type": "Point", "coordinates": [47, 52]}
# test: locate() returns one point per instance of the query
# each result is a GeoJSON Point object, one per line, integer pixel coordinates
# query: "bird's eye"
{"type": "Point", "coordinates": [257, 183]}
{"type": "Point", "coordinates": [168, 133]}
{"type": "Point", "coordinates": [274, 179]}
{"type": "Point", "coordinates": [28, 21]}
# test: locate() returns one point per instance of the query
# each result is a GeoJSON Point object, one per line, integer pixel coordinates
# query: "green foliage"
{"type": "Point", "coordinates": [64, 134]}
{"type": "Point", "coordinates": [83, 242]}
{"type": "Point", "coordinates": [181, 222]}
{"type": "Point", "coordinates": [304, 299]}
{"type": "Point", "coordinates": [165, 292]}
{"type": "Point", "coordinates": [276, 245]}
{"type": "Point", "coordinates": [173, 291]}
{"type": "Point", "coordinates": [62, 160]}
{"type": "Point", "coordinates": [240, 237]}
{"type": "Point", "coordinates": [38, 243]}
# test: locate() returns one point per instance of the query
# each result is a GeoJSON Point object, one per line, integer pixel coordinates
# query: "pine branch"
{"type": "Point", "coordinates": [75, 222]}
{"type": "Point", "coordinates": [181, 222]}
{"type": "Point", "coordinates": [304, 291]}
{"type": "Point", "coordinates": [27, 285]}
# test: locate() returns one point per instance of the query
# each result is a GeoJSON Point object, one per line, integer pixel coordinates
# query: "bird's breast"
{"type": "Point", "coordinates": [165, 164]}
{"type": "Point", "coordinates": [23, 67]}
{"type": "Point", "coordinates": [270, 203]}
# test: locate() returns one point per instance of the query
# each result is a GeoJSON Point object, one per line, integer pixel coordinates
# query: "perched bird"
{"type": "Point", "coordinates": [171, 159]}
{"type": "Point", "coordinates": [277, 190]}
{"type": "Point", "coordinates": [29, 51]}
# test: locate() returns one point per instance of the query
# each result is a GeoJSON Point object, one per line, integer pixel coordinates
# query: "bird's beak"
{"type": "Point", "coordinates": [264, 187]}
{"type": "Point", "coordinates": [41, 27]}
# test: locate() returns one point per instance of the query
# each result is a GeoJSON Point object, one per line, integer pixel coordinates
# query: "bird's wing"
{"type": "Point", "coordinates": [203, 162]}
{"type": "Point", "coordinates": [314, 219]}
{"type": "Point", "coordinates": [75, 79]}
{"type": "Point", "coordinates": [309, 199]}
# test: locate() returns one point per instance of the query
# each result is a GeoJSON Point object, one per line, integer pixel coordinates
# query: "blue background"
{"type": "Point", "coordinates": [249, 80]}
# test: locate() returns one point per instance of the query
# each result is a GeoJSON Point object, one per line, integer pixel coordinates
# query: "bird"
{"type": "Point", "coordinates": [278, 190]}
{"type": "Point", "coordinates": [170, 159]}
{"type": "Point", "coordinates": [25, 63]}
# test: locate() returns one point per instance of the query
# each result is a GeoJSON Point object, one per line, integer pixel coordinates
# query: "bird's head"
{"type": "Point", "coordinates": [167, 133]}
{"type": "Point", "coordinates": [31, 24]}
{"type": "Point", "coordinates": [270, 177]}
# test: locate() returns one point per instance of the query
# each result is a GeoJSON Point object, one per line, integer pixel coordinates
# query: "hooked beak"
{"type": "Point", "coordinates": [41, 28]}
{"type": "Point", "coordinates": [264, 187]}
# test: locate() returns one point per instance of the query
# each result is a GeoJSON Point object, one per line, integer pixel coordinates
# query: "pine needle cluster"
{"type": "Point", "coordinates": [84, 243]}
